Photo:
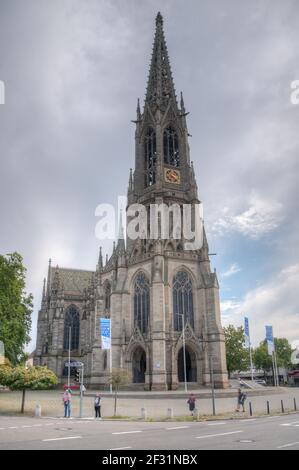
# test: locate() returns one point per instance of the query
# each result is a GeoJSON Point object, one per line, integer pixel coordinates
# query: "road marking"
{"type": "Point", "coordinates": [62, 438]}
{"type": "Point", "coordinates": [126, 432]}
{"type": "Point", "coordinates": [177, 427]}
{"type": "Point", "coordinates": [219, 434]}
{"type": "Point", "coordinates": [288, 445]}
{"type": "Point", "coordinates": [247, 420]}
{"type": "Point", "coordinates": [121, 448]}
{"type": "Point", "coordinates": [215, 424]}
{"type": "Point", "coordinates": [290, 424]}
{"type": "Point", "coordinates": [13, 427]}
{"type": "Point", "coordinates": [26, 426]}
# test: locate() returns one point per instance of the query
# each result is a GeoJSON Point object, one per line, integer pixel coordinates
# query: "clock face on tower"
{"type": "Point", "coordinates": [172, 176]}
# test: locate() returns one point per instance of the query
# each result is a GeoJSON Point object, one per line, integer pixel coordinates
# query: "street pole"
{"type": "Point", "coordinates": [184, 351]}
{"type": "Point", "coordinates": [110, 354]}
{"type": "Point", "coordinates": [69, 365]}
{"type": "Point", "coordinates": [276, 369]}
{"type": "Point", "coordinates": [251, 364]}
{"type": "Point", "coordinates": [81, 390]}
{"type": "Point", "coordinates": [212, 383]}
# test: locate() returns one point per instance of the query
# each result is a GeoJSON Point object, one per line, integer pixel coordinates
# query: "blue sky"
{"type": "Point", "coordinates": [73, 71]}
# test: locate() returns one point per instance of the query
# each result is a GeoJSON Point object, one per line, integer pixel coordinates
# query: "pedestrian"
{"type": "Point", "coordinates": [67, 402]}
{"type": "Point", "coordinates": [241, 400]}
{"type": "Point", "coordinates": [191, 402]}
{"type": "Point", "coordinates": [97, 406]}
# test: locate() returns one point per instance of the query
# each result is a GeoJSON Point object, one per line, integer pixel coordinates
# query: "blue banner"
{"type": "Point", "coordinates": [269, 338]}
{"type": "Point", "coordinates": [105, 333]}
{"type": "Point", "coordinates": [246, 331]}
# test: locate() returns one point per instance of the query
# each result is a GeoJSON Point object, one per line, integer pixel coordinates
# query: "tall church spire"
{"type": "Point", "coordinates": [160, 86]}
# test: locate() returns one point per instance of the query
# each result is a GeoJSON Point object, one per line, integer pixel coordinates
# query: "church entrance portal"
{"type": "Point", "coordinates": [139, 366]}
{"type": "Point", "coordinates": [191, 372]}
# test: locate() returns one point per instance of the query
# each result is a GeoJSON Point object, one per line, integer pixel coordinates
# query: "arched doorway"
{"type": "Point", "coordinates": [191, 370]}
{"type": "Point", "coordinates": [139, 365]}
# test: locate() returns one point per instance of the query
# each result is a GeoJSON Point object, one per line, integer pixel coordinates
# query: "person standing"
{"type": "Point", "coordinates": [191, 402]}
{"type": "Point", "coordinates": [241, 400]}
{"type": "Point", "coordinates": [97, 406]}
{"type": "Point", "coordinates": [67, 402]}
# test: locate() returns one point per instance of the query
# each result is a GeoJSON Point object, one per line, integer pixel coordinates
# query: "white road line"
{"type": "Point", "coordinates": [62, 438]}
{"type": "Point", "coordinates": [288, 445]}
{"type": "Point", "coordinates": [215, 424]}
{"type": "Point", "coordinates": [290, 424]}
{"type": "Point", "coordinates": [247, 420]}
{"type": "Point", "coordinates": [126, 432]}
{"type": "Point", "coordinates": [13, 427]}
{"type": "Point", "coordinates": [27, 426]}
{"type": "Point", "coordinates": [216, 435]}
{"type": "Point", "coordinates": [121, 448]}
{"type": "Point", "coordinates": [177, 427]}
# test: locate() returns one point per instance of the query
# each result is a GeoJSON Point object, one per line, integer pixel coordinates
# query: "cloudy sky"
{"type": "Point", "coordinates": [73, 71]}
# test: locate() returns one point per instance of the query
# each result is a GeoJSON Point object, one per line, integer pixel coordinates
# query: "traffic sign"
{"type": "Point", "coordinates": [73, 364]}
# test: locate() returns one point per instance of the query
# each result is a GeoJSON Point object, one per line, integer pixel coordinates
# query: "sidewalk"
{"type": "Point", "coordinates": [156, 407]}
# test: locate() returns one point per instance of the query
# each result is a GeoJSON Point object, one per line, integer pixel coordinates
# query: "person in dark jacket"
{"type": "Point", "coordinates": [191, 402]}
{"type": "Point", "coordinates": [241, 400]}
{"type": "Point", "coordinates": [97, 406]}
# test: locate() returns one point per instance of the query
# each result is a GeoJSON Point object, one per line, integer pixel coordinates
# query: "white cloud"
{"type": "Point", "coordinates": [260, 218]}
{"type": "Point", "coordinates": [274, 303]}
{"type": "Point", "coordinates": [233, 269]}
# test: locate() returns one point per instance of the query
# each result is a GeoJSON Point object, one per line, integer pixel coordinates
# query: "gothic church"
{"type": "Point", "coordinates": [149, 288]}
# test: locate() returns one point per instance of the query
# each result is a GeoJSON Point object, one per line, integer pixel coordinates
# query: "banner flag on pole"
{"type": "Point", "coordinates": [270, 340]}
{"type": "Point", "coordinates": [246, 332]}
{"type": "Point", "coordinates": [105, 333]}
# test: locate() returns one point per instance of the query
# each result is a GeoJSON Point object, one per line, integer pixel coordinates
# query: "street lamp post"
{"type": "Point", "coordinates": [184, 350]}
{"type": "Point", "coordinates": [212, 383]}
{"type": "Point", "coordinates": [69, 365]}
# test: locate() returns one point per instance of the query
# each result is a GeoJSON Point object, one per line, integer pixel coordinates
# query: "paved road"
{"type": "Point", "coordinates": [277, 432]}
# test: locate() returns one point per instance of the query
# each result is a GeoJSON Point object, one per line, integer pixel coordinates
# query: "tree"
{"type": "Point", "coordinates": [237, 355]}
{"type": "Point", "coordinates": [117, 378]}
{"type": "Point", "coordinates": [31, 378]}
{"type": "Point", "coordinates": [263, 360]}
{"type": "Point", "coordinates": [15, 306]}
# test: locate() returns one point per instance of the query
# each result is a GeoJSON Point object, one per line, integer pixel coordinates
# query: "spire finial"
{"type": "Point", "coordinates": [138, 110]}
{"type": "Point", "coordinates": [100, 262]}
{"type": "Point", "coordinates": [159, 19]}
{"type": "Point", "coordinates": [182, 103]}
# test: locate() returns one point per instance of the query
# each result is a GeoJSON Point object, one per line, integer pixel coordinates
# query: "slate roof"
{"type": "Point", "coordinates": [73, 280]}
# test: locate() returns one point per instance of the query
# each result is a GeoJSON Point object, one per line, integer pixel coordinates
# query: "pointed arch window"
{"type": "Point", "coordinates": [171, 147]}
{"type": "Point", "coordinates": [107, 296]}
{"type": "Point", "coordinates": [71, 327]}
{"type": "Point", "coordinates": [150, 157]}
{"type": "Point", "coordinates": [182, 300]}
{"type": "Point", "coordinates": [141, 302]}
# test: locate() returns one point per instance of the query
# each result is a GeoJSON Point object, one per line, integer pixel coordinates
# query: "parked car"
{"type": "Point", "coordinates": [261, 381]}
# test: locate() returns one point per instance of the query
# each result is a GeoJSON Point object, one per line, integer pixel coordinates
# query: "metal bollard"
{"type": "Point", "coordinates": [268, 407]}
{"type": "Point", "coordinates": [295, 405]}
{"type": "Point", "coordinates": [143, 413]}
{"type": "Point", "coordinates": [169, 414]}
{"type": "Point", "coordinates": [38, 411]}
{"type": "Point", "coordinates": [282, 407]}
{"type": "Point", "coordinates": [250, 408]}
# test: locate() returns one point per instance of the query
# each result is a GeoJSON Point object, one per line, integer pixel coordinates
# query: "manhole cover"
{"type": "Point", "coordinates": [245, 441]}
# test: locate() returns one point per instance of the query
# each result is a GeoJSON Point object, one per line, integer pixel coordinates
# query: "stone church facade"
{"type": "Point", "coordinates": [149, 288]}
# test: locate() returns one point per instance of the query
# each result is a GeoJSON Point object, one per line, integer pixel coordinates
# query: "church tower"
{"type": "Point", "coordinates": [161, 297]}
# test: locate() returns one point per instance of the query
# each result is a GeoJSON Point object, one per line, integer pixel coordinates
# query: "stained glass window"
{"type": "Point", "coordinates": [182, 300]}
{"type": "Point", "coordinates": [71, 325]}
{"type": "Point", "coordinates": [141, 302]}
